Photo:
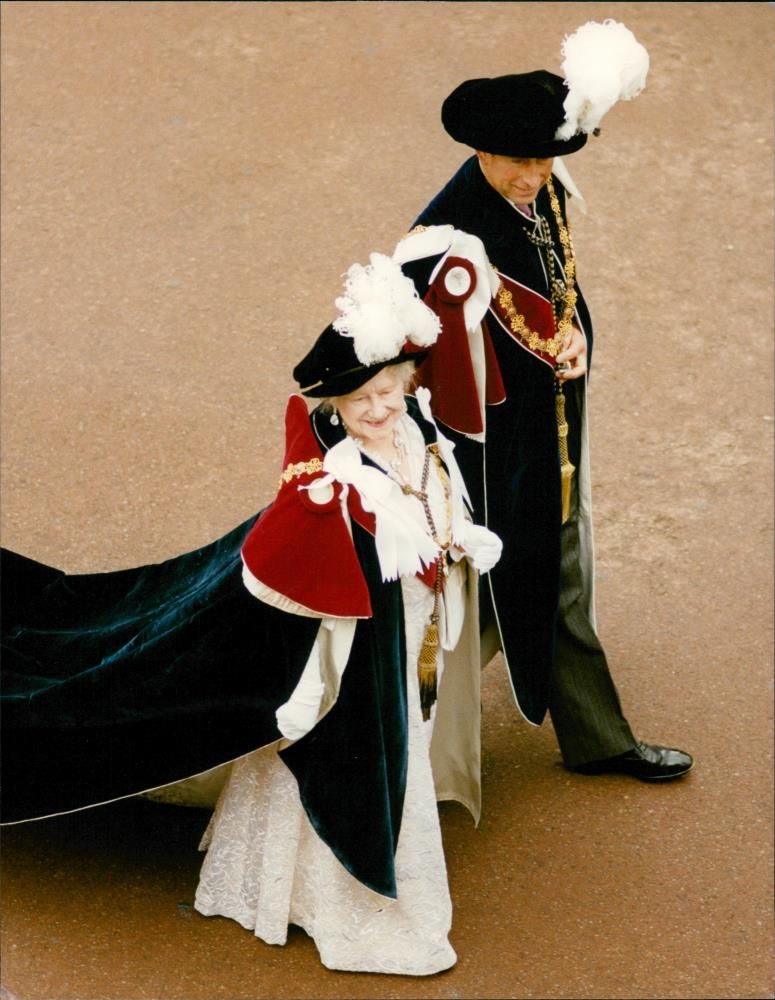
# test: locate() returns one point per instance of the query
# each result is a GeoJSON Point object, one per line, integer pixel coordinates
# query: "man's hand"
{"type": "Point", "coordinates": [574, 355]}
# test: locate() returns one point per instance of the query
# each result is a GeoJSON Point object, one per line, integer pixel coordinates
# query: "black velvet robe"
{"type": "Point", "coordinates": [514, 478]}
{"type": "Point", "coordinates": [117, 683]}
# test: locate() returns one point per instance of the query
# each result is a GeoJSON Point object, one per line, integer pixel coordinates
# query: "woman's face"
{"type": "Point", "coordinates": [372, 411]}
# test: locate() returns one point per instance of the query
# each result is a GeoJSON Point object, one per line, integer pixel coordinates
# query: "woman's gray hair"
{"type": "Point", "coordinates": [406, 370]}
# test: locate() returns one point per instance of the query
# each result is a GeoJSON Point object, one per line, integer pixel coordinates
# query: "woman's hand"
{"type": "Point", "coordinates": [482, 546]}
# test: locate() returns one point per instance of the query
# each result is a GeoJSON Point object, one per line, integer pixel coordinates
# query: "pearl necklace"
{"type": "Point", "coordinates": [394, 464]}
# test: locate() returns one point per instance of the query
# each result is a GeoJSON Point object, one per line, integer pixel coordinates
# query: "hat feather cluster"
{"type": "Point", "coordinates": [603, 63]}
{"type": "Point", "coordinates": [380, 309]}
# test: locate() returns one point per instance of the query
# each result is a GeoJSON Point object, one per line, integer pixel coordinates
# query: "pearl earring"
{"type": "Point", "coordinates": [334, 418]}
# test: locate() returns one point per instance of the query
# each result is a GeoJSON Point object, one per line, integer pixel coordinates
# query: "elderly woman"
{"type": "Point", "coordinates": [318, 665]}
{"type": "Point", "coordinates": [336, 829]}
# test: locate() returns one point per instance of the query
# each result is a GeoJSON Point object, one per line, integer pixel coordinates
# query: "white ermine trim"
{"type": "Point", "coordinates": [277, 600]}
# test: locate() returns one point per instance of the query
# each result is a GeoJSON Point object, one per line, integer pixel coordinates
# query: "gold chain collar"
{"type": "Point", "coordinates": [551, 346]}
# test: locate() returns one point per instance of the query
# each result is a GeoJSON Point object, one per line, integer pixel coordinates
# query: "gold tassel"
{"type": "Point", "coordinates": [426, 668]}
{"type": "Point", "coordinates": [426, 661]}
{"type": "Point", "coordinates": [566, 466]}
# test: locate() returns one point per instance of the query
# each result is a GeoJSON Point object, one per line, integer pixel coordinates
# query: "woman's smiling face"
{"type": "Point", "coordinates": [371, 412]}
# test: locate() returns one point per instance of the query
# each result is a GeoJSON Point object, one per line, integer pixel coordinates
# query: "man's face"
{"type": "Point", "coordinates": [517, 178]}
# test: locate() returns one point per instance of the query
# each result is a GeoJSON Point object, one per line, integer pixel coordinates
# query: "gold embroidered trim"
{"type": "Point", "coordinates": [296, 469]}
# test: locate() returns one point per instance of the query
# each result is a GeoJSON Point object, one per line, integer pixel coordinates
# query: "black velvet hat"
{"type": "Point", "coordinates": [382, 322]}
{"type": "Point", "coordinates": [331, 368]}
{"type": "Point", "coordinates": [514, 115]}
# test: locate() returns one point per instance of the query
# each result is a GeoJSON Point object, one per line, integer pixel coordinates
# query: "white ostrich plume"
{"type": "Point", "coordinates": [380, 309]}
{"type": "Point", "coordinates": [603, 63]}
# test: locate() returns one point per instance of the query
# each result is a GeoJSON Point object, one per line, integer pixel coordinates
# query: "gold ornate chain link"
{"type": "Point", "coordinates": [296, 469]}
{"type": "Point", "coordinates": [517, 322]}
{"type": "Point", "coordinates": [551, 346]}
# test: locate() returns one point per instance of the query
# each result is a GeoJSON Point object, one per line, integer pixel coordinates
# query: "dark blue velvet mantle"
{"type": "Point", "coordinates": [116, 683]}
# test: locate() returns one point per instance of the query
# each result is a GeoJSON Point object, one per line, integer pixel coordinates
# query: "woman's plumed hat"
{"type": "Point", "coordinates": [542, 115]}
{"type": "Point", "coordinates": [382, 321]}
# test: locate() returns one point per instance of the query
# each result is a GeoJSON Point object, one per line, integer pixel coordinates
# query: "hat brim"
{"type": "Point", "coordinates": [538, 150]}
{"type": "Point", "coordinates": [346, 382]}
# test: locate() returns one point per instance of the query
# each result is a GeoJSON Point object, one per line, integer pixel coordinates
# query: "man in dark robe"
{"type": "Point", "coordinates": [526, 460]}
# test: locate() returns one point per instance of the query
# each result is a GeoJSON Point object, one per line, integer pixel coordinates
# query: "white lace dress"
{"type": "Point", "coordinates": [267, 868]}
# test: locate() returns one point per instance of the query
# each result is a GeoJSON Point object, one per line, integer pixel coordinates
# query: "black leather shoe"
{"type": "Point", "coordinates": [644, 761]}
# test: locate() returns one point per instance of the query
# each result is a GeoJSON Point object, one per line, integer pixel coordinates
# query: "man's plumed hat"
{"type": "Point", "coordinates": [382, 322]}
{"type": "Point", "coordinates": [542, 115]}
{"type": "Point", "coordinates": [514, 115]}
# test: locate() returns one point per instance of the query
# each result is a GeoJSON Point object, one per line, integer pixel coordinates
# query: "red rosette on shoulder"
{"type": "Point", "coordinates": [449, 372]}
{"type": "Point", "coordinates": [300, 547]}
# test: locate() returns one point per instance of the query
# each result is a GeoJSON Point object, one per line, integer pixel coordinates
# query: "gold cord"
{"type": "Point", "coordinates": [566, 466]}
{"type": "Point", "coordinates": [426, 661]}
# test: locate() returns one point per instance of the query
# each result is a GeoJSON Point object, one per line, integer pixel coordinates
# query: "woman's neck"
{"type": "Point", "coordinates": [390, 452]}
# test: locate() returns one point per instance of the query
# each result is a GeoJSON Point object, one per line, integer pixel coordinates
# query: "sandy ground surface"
{"type": "Point", "coordinates": [183, 186]}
